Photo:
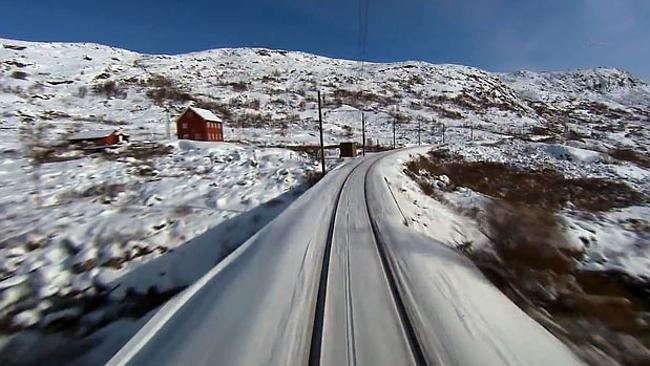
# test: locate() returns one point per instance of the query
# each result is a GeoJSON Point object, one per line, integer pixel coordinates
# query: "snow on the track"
{"type": "Point", "coordinates": [459, 316]}
{"type": "Point", "coordinates": [261, 298]}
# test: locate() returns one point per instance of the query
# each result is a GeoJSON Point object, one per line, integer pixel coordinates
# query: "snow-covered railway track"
{"type": "Point", "coordinates": [407, 322]}
{"type": "Point", "coordinates": [360, 317]}
{"type": "Point", "coordinates": [337, 280]}
{"type": "Point", "coordinates": [317, 330]}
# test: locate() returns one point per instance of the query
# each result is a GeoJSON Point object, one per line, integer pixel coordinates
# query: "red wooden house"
{"type": "Point", "coordinates": [199, 124]}
{"type": "Point", "coordinates": [98, 138]}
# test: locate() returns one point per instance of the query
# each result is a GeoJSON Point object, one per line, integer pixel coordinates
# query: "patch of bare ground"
{"type": "Point", "coordinates": [140, 151]}
{"type": "Point", "coordinates": [596, 313]}
{"type": "Point", "coordinates": [630, 155]}
{"type": "Point", "coordinates": [546, 189]}
{"type": "Point", "coordinates": [601, 315]}
{"type": "Point", "coordinates": [313, 177]}
{"type": "Point", "coordinates": [51, 154]}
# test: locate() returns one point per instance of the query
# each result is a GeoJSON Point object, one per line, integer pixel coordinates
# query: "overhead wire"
{"type": "Point", "coordinates": [363, 35]}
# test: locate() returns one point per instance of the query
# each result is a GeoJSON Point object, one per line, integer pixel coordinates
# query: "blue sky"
{"type": "Point", "coordinates": [498, 35]}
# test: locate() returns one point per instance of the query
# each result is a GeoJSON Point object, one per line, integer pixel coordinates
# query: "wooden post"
{"type": "Point", "coordinates": [322, 148]}
{"type": "Point", "coordinates": [363, 134]}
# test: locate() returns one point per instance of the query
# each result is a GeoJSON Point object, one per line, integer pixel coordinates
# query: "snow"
{"type": "Point", "coordinates": [563, 152]}
{"type": "Point", "coordinates": [615, 243]}
{"type": "Point", "coordinates": [130, 218]}
{"type": "Point", "coordinates": [431, 217]}
{"type": "Point", "coordinates": [26, 318]}
{"type": "Point", "coordinates": [99, 217]}
{"type": "Point", "coordinates": [205, 114]}
{"type": "Point", "coordinates": [261, 294]}
{"type": "Point", "coordinates": [458, 316]}
{"type": "Point", "coordinates": [600, 84]}
{"type": "Point", "coordinates": [460, 308]}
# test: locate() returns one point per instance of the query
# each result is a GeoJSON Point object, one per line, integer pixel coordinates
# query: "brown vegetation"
{"type": "Point", "coordinates": [313, 177]}
{"type": "Point", "coordinates": [545, 189]}
{"type": "Point", "coordinates": [222, 109]}
{"type": "Point", "coordinates": [110, 89]}
{"type": "Point", "coordinates": [20, 75]}
{"type": "Point", "coordinates": [140, 151]}
{"type": "Point", "coordinates": [360, 99]}
{"type": "Point", "coordinates": [534, 265]}
{"type": "Point", "coordinates": [240, 86]}
{"type": "Point", "coordinates": [631, 156]}
{"type": "Point", "coordinates": [14, 47]}
{"type": "Point", "coordinates": [164, 94]}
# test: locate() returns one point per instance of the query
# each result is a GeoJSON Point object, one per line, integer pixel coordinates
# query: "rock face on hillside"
{"type": "Point", "coordinates": [268, 96]}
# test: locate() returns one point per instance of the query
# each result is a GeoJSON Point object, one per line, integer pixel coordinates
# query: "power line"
{"type": "Point", "coordinates": [363, 34]}
{"type": "Point", "coordinates": [363, 39]}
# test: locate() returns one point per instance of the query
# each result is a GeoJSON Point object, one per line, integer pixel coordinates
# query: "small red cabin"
{"type": "Point", "coordinates": [199, 124]}
{"type": "Point", "coordinates": [99, 137]}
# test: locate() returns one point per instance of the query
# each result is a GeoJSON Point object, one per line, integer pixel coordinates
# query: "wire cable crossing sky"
{"type": "Point", "coordinates": [497, 35]}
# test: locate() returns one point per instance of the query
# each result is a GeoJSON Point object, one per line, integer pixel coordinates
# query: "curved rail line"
{"type": "Point", "coordinates": [407, 323]}
{"type": "Point", "coordinates": [319, 315]}
{"type": "Point", "coordinates": [317, 332]}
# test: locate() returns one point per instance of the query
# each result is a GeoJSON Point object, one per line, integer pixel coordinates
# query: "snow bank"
{"type": "Point", "coordinates": [100, 217]}
{"type": "Point", "coordinates": [564, 152]}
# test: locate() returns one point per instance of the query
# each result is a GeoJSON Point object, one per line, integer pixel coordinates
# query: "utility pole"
{"type": "Point", "coordinates": [471, 131]}
{"type": "Point", "coordinates": [419, 134]}
{"type": "Point", "coordinates": [168, 129]}
{"type": "Point", "coordinates": [363, 134]}
{"type": "Point", "coordinates": [394, 130]}
{"type": "Point", "coordinates": [322, 148]}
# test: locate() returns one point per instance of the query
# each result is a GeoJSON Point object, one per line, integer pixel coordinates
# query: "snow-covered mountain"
{"type": "Point", "coordinates": [269, 96]}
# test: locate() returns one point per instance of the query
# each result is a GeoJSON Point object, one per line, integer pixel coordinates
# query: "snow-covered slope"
{"type": "Point", "coordinates": [93, 219]}
{"type": "Point", "coordinates": [269, 96]}
{"type": "Point", "coordinates": [599, 85]}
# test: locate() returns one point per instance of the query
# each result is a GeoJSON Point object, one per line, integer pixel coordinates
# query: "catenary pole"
{"type": "Point", "coordinates": [363, 134]}
{"type": "Point", "coordinates": [320, 123]}
{"type": "Point", "coordinates": [394, 133]}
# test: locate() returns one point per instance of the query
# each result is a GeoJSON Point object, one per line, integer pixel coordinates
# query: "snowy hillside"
{"type": "Point", "coordinates": [597, 85]}
{"type": "Point", "coordinates": [269, 96]}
